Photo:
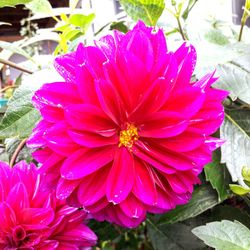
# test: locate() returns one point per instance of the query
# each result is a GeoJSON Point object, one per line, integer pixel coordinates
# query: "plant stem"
{"type": "Point", "coordinates": [16, 66]}
{"type": "Point", "coordinates": [180, 28]}
{"type": "Point", "coordinates": [17, 151]}
{"type": "Point", "coordinates": [7, 87]}
{"type": "Point", "coordinates": [241, 31]}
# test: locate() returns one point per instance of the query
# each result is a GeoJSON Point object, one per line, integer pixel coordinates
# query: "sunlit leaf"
{"type": "Point", "coordinates": [147, 10]}
{"type": "Point", "coordinates": [237, 189]}
{"type": "Point", "coordinates": [10, 3]}
{"type": "Point", "coordinates": [224, 235]}
{"type": "Point", "coordinates": [40, 7]}
{"type": "Point", "coordinates": [235, 151]}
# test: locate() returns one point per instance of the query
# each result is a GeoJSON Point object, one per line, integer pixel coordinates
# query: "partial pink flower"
{"type": "Point", "coordinates": [127, 132]}
{"type": "Point", "coordinates": [32, 218]}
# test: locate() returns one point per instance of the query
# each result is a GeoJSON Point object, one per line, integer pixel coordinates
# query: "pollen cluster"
{"type": "Point", "coordinates": [128, 136]}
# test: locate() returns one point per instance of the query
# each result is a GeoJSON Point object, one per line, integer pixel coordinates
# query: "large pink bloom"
{"type": "Point", "coordinates": [127, 133]}
{"type": "Point", "coordinates": [32, 218]}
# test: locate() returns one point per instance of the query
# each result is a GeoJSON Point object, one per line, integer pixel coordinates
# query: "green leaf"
{"type": "Point", "coordinates": [20, 117]}
{"type": "Point", "coordinates": [203, 198]}
{"type": "Point", "coordinates": [246, 173]}
{"type": "Point", "coordinates": [235, 79]}
{"type": "Point", "coordinates": [216, 173]}
{"type": "Point", "coordinates": [216, 36]}
{"type": "Point", "coordinates": [224, 235]}
{"type": "Point", "coordinates": [119, 26]}
{"type": "Point", "coordinates": [82, 21]}
{"type": "Point", "coordinates": [40, 7]}
{"type": "Point", "coordinates": [237, 189]}
{"type": "Point", "coordinates": [147, 10]}
{"type": "Point", "coordinates": [176, 237]}
{"type": "Point", "coordinates": [235, 152]}
{"type": "Point", "coordinates": [11, 3]}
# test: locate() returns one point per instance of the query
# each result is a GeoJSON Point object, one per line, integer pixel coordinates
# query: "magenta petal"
{"type": "Point", "coordinates": [43, 216]}
{"type": "Point", "coordinates": [109, 100]}
{"type": "Point", "coordinates": [65, 66]}
{"type": "Point", "coordinates": [177, 184]}
{"type": "Point", "coordinates": [59, 141]}
{"type": "Point", "coordinates": [153, 99]}
{"type": "Point", "coordinates": [57, 94]}
{"type": "Point", "coordinates": [192, 141]}
{"type": "Point", "coordinates": [89, 118]}
{"type": "Point", "coordinates": [65, 188]}
{"type": "Point", "coordinates": [85, 83]}
{"type": "Point", "coordinates": [132, 207]}
{"type": "Point", "coordinates": [86, 161]}
{"type": "Point", "coordinates": [189, 100]}
{"type": "Point", "coordinates": [93, 187]}
{"type": "Point", "coordinates": [174, 160]}
{"type": "Point", "coordinates": [144, 186]}
{"type": "Point", "coordinates": [7, 218]}
{"type": "Point", "coordinates": [186, 64]}
{"type": "Point", "coordinates": [18, 197]}
{"type": "Point", "coordinates": [81, 235]}
{"type": "Point", "coordinates": [144, 156]}
{"type": "Point", "coordinates": [163, 124]}
{"type": "Point", "coordinates": [121, 177]}
{"type": "Point", "coordinates": [91, 140]}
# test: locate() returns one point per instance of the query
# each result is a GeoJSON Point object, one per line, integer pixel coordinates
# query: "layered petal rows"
{"type": "Point", "coordinates": [32, 218]}
{"type": "Point", "coordinates": [127, 132]}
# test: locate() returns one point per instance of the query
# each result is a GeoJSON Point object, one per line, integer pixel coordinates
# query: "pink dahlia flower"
{"type": "Point", "coordinates": [127, 132]}
{"type": "Point", "coordinates": [32, 218]}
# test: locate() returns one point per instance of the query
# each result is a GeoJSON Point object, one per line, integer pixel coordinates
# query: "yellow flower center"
{"type": "Point", "coordinates": [128, 136]}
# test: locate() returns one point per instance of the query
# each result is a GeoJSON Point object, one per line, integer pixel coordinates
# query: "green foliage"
{"type": "Point", "coordinates": [71, 28]}
{"type": "Point", "coordinates": [172, 237]}
{"type": "Point", "coordinates": [235, 152]}
{"type": "Point", "coordinates": [147, 10]}
{"type": "Point", "coordinates": [235, 78]}
{"type": "Point", "coordinates": [40, 6]}
{"type": "Point", "coordinates": [216, 36]}
{"type": "Point", "coordinates": [224, 235]}
{"type": "Point", "coordinates": [216, 173]}
{"type": "Point", "coordinates": [119, 26]}
{"type": "Point", "coordinates": [11, 3]}
{"type": "Point", "coordinates": [20, 117]}
{"type": "Point", "coordinates": [203, 198]}
{"type": "Point", "coordinates": [237, 189]}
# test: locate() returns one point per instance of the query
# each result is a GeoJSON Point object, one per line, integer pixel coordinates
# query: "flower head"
{"type": "Point", "coordinates": [127, 132]}
{"type": "Point", "coordinates": [32, 217]}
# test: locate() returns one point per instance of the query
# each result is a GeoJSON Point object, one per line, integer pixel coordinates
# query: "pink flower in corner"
{"type": "Point", "coordinates": [127, 132]}
{"type": "Point", "coordinates": [32, 218]}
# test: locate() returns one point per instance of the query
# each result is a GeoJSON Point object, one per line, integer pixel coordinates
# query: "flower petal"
{"type": "Point", "coordinates": [89, 118]}
{"type": "Point", "coordinates": [132, 207]}
{"type": "Point", "coordinates": [7, 218]}
{"type": "Point", "coordinates": [92, 140]}
{"type": "Point", "coordinates": [121, 177]}
{"type": "Point", "coordinates": [144, 186]}
{"type": "Point", "coordinates": [93, 187]}
{"type": "Point", "coordinates": [163, 124]}
{"type": "Point", "coordinates": [18, 197]}
{"type": "Point", "coordinates": [86, 161]}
